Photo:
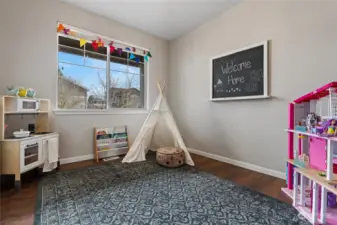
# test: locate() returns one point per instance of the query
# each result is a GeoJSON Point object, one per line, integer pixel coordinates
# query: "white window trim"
{"type": "Point", "coordinates": [108, 111]}
{"type": "Point", "coordinates": [112, 111]}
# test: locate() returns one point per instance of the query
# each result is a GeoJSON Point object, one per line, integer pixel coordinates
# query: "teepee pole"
{"type": "Point", "coordinates": [161, 89]}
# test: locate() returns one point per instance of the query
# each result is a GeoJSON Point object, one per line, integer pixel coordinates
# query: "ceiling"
{"type": "Point", "coordinates": [167, 19]}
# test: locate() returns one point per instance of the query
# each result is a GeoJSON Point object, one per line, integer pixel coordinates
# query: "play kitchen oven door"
{"type": "Point", "coordinates": [28, 105]}
{"type": "Point", "coordinates": [30, 155]}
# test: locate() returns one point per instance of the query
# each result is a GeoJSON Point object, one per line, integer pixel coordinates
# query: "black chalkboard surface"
{"type": "Point", "coordinates": [241, 74]}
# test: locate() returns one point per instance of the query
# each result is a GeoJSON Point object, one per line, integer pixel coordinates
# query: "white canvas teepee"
{"type": "Point", "coordinates": [159, 130]}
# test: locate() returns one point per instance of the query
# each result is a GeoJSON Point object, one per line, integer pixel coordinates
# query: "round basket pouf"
{"type": "Point", "coordinates": [170, 157]}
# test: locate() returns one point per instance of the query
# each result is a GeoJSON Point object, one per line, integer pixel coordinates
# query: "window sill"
{"type": "Point", "coordinates": [101, 112]}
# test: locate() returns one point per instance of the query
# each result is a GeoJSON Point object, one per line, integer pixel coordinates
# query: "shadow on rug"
{"type": "Point", "coordinates": [146, 193]}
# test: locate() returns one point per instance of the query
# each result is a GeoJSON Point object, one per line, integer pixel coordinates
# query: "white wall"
{"type": "Point", "coordinates": [303, 55]}
{"type": "Point", "coordinates": [29, 58]}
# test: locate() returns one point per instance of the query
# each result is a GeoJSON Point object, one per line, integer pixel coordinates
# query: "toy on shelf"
{"type": "Point", "coordinates": [331, 128]}
{"type": "Point", "coordinates": [21, 92]}
{"type": "Point", "coordinates": [312, 155]}
{"type": "Point", "coordinates": [311, 121]}
{"type": "Point", "coordinates": [300, 127]}
{"type": "Point", "coordinates": [12, 91]}
{"type": "Point", "coordinates": [30, 93]}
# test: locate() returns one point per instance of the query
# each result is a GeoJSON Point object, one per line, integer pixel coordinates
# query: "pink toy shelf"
{"type": "Point", "coordinates": [312, 155]}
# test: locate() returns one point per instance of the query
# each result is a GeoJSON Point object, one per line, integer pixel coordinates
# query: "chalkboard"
{"type": "Point", "coordinates": [241, 74]}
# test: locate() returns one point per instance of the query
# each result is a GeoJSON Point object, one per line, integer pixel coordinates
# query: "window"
{"type": "Point", "coordinates": [96, 79]}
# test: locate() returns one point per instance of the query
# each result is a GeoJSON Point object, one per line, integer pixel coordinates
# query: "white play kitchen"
{"type": "Point", "coordinates": [26, 139]}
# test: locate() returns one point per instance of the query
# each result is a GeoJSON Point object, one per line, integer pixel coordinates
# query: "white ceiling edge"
{"type": "Point", "coordinates": [167, 19]}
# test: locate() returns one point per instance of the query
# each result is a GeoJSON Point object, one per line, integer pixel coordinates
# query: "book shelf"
{"type": "Point", "coordinates": [111, 141]}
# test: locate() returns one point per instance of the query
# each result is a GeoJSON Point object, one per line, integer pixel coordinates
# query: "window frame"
{"type": "Point", "coordinates": [107, 110]}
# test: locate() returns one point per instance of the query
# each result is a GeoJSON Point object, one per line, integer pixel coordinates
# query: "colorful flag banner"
{"type": "Point", "coordinates": [94, 45]}
{"type": "Point", "coordinates": [66, 31]}
{"type": "Point", "coordinates": [119, 50]}
{"type": "Point", "coordinates": [82, 42]}
{"type": "Point", "coordinates": [112, 48]}
{"type": "Point", "coordinates": [73, 33]}
{"type": "Point", "coordinates": [149, 54]}
{"type": "Point", "coordinates": [146, 58]}
{"type": "Point", "coordinates": [133, 49]}
{"type": "Point", "coordinates": [128, 49]}
{"type": "Point", "coordinates": [132, 56]}
{"type": "Point", "coordinates": [137, 59]}
{"type": "Point", "coordinates": [60, 27]}
{"type": "Point", "coordinates": [100, 42]}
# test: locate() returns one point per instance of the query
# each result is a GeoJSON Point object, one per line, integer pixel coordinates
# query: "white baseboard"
{"type": "Point", "coordinates": [76, 159]}
{"type": "Point", "coordinates": [245, 165]}
{"type": "Point", "coordinates": [91, 156]}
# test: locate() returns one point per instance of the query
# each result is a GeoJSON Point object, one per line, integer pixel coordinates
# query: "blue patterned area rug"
{"type": "Point", "coordinates": [146, 193]}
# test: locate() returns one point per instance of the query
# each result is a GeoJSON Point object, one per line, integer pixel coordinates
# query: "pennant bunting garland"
{"type": "Point", "coordinates": [149, 54]}
{"type": "Point", "coordinates": [119, 50]}
{"type": "Point", "coordinates": [112, 48]}
{"type": "Point", "coordinates": [60, 28]}
{"type": "Point", "coordinates": [82, 42]}
{"type": "Point", "coordinates": [72, 33]}
{"type": "Point", "coordinates": [94, 44]}
{"type": "Point", "coordinates": [66, 31]}
{"type": "Point", "coordinates": [100, 42]}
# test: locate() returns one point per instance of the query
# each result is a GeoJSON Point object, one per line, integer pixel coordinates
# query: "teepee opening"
{"type": "Point", "coordinates": [158, 130]}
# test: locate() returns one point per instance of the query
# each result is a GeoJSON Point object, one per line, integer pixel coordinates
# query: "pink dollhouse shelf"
{"type": "Point", "coordinates": [331, 215]}
{"type": "Point", "coordinates": [317, 94]}
{"type": "Point", "coordinates": [311, 134]}
{"type": "Point", "coordinates": [313, 174]}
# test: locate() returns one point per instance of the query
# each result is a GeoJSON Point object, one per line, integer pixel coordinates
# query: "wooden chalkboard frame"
{"type": "Point", "coordinates": [265, 73]}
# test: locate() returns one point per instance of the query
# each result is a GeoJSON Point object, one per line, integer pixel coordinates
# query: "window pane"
{"type": "Point", "coordinates": [69, 55]}
{"type": "Point", "coordinates": [125, 98]}
{"type": "Point", "coordinates": [121, 67]}
{"type": "Point", "coordinates": [81, 87]}
{"type": "Point", "coordinates": [95, 60]}
{"type": "Point", "coordinates": [134, 70]}
{"type": "Point", "coordinates": [133, 81]}
{"type": "Point", "coordinates": [126, 90]}
{"type": "Point", "coordinates": [118, 79]}
{"type": "Point", "coordinates": [83, 84]}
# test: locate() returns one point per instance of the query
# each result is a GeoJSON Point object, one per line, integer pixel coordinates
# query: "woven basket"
{"type": "Point", "coordinates": [170, 157]}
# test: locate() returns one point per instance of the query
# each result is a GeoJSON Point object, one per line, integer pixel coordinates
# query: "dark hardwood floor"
{"type": "Point", "coordinates": [18, 207]}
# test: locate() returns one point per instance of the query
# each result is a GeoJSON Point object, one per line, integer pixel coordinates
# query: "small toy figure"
{"type": "Point", "coordinates": [311, 121]}
{"type": "Point", "coordinates": [304, 157]}
{"type": "Point", "coordinates": [11, 90]}
{"type": "Point", "coordinates": [300, 127]}
{"type": "Point", "coordinates": [30, 93]}
{"type": "Point", "coordinates": [331, 130]}
{"type": "Point", "coordinates": [22, 92]}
